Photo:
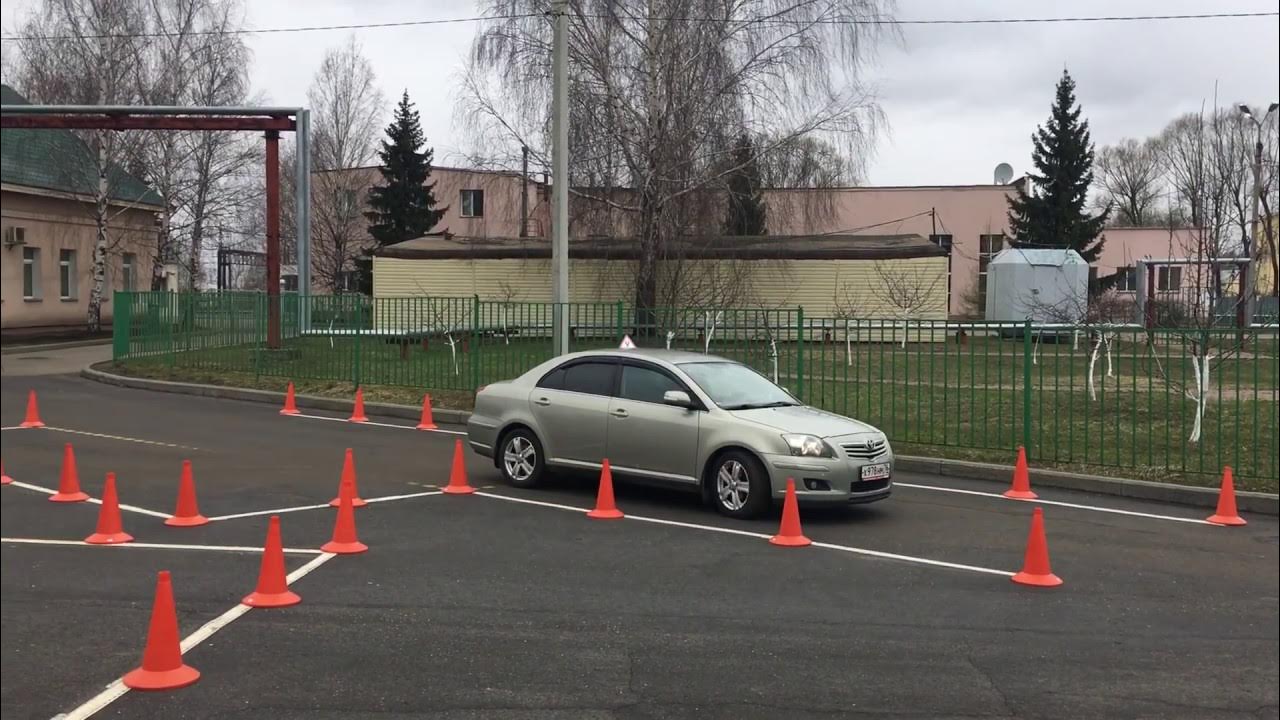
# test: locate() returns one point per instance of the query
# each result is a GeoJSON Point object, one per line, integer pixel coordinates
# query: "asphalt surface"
{"type": "Point", "coordinates": [479, 607]}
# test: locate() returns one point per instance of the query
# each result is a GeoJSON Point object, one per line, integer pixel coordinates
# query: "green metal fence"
{"type": "Point", "coordinates": [1087, 397]}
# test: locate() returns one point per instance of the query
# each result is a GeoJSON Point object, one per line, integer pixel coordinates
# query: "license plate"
{"type": "Point", "coordinates": [878, 471]}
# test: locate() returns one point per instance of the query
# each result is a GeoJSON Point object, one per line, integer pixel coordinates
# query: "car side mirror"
{"type": "Point", "coordinates": [678, 398]}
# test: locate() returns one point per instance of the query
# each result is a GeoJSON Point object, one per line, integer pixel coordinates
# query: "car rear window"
{"type": "Point", "coordinates": [591, 378]}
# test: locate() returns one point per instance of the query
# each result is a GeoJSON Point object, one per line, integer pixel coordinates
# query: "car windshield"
{"type": "Point", "coordinates": [737, 387]}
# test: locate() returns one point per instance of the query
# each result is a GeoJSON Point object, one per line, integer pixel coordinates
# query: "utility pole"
{"type": "Point", "coordinates": [560, 176]}
{"type": "Point", "coordinates": [1248, 291]}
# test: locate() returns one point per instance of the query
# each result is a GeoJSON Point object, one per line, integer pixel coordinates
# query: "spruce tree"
{"type": "Point", "coordinates": [1055, 216]}
{"type": "Point", "coordinates": [747, 211]}
{"type": "Point", "coordinates": [403, 206]}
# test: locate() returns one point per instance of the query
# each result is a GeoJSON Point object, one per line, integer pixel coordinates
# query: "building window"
{"type": "Point", "coordinates": [67, 274]}
{"type": "Point", "coordinates": [1127, 279]}
{"type": "Point", "coordinates": [472, 202]}
{"type": "Point", "coordinates": [128, 262]}
{"type": "Point", "coordinates": [347, 204]}
{"type": "Point", "coordinates": [30, 273]}
{"type": "Point", "coordinates": [1168, 278]}
{"type": "Point", "coordinates": [988, 247]}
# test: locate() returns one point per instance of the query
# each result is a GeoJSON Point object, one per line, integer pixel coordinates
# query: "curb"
{"type": "Point", "coordinates": [1201, 497]}
{"type": "Point", "coordinates": [46, 347]}
{"type": "Point", "coordinates": [408, 412]}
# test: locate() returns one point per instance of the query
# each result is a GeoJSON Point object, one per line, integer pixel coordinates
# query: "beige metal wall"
{"type": "Point", "coordinates": [53, 224]}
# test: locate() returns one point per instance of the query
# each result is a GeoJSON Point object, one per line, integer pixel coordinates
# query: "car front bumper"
{"type": "Point", "coordinates": [828, 480]}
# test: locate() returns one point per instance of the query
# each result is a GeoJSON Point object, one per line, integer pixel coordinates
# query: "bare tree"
{"type": "Point", "coordinates": [348, 107]}
{"type": "Point", "coordinates": [661, 89]}
{"type": "Point", "coordinates": [909, 292]}
{"type": "Point", "coordinates": [1130, 175]}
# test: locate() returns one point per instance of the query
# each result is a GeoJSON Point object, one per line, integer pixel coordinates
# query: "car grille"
{"type": "Point", "coordinates": [866, 450]}
{"type": "Point", "coordinates": [867, 486]}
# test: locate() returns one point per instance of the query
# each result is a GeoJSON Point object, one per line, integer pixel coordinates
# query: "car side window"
{"type": "Point", "coordinates": [590, 378]}
{"type": "Point", "coordinates": [645, 384]}
{"type": "Point", "coordinates": [553, 380]}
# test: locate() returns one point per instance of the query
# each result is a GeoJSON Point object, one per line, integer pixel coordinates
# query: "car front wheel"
{"type": "Point", "coordinates": [521, 460]}
{"type": "Point", "coordinates": [740, 485]}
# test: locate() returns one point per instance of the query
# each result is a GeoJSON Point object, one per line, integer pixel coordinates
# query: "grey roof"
{"type": "Point", "coordinates": [444, 246]}
{"type": "Point", "coordinates": [1051, 257]}
{"type": "Point", "coordinates": [58, 160]}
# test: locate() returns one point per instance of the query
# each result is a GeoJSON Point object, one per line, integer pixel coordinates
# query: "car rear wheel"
{"type": "Point", "coordinates": [739, 485]}
{"type": "Point", "coordinates": [521, 461]}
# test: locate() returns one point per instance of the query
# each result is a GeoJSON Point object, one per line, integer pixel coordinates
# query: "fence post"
{"type": "Point", "coordinates": [356, 328]}
{"type": "Point", "coordinates": [620, 312]}
{"type": "Point", "coordinates": [1027, 350]}
{"type": "Point", "coordinates": [475, 343]}
{"type": "Point", "coordinates": [120, 326]}
{"type": "Point", "coordinates": [800, 352]}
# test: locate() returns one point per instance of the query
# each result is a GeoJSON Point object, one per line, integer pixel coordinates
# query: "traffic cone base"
{"type": "Point", "coordinates": [344, 548]}
{"type": "Point", "coordinates": [789, 532]}
{"type": "Point", "coordinates": [161, 679]}
{"type": "Point", "coordinates": [355, 502]}
{"type": "Point", "coordinates": [1045, 580]}
{"type": "Point", "coordinates": [162, 667]}
{"type": "Point", "coordinates": [109, 538]}
{"type": "Point", "coordinates": [32, 419]}
{"type": "Point", "coordinates": [290, 404]}
{"type": "Point", "coordinates": [427, 422]}
{"type": "Point", "coordinates": [193, 521]}
{"type": "Point", "coordinates": [272, 600]}
{"type": "Point", "coordinates": [4, 476]}
{"type": "Point", "coordinates": [458, 484]}
{"type": "Point", "coordinates": [357, 412]}
{"type": "Point", "coordinates": [1021, 487]}
{"type": "Point", "coordinates": [70, 497]}
{"type": "Point", "coordinates": [1226, 513]}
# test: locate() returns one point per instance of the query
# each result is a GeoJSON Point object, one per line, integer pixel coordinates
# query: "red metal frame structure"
{"type": "Point", "coordinates": [271, 121]}
{"type": "Point", "coordinates": [1146, 270]}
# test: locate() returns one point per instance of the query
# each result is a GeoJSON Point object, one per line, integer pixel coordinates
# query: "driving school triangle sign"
{"type": "Point", "coordinates": [627, 343]}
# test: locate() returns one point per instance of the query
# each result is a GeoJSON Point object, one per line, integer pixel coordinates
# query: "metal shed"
{"type": "Point", "coordinates": [1042, 285]}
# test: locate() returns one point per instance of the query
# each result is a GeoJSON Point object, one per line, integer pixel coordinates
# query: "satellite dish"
{"type": "Point", "coordinates": [1003, 174]}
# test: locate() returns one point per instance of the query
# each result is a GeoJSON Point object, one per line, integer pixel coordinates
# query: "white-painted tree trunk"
{"type": "Point", "coordinates": [848, 347]}
{"type": "Point", "coordinates": [1035, 348]}
{"type": "Point", "coordinates": [773, 356]}
{"type": "Point", "coordinates": [453, 351]}
{"type": "Point", "coordinates": [1093, 360]}
{"type": "Point", "coordinates": [1200, 367]}
{"type": "Point", "coordinates": [671, 335]}
{"type": "Point", "coordinates": [709, 322]}
{"type": "Point", "coordinates": [1107, 350]}
{"type": "Point", "coordinates": [101, 220]}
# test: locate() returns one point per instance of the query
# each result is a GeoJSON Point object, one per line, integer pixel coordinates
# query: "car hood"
{"type": "Point", "coordinates": [803, 419]}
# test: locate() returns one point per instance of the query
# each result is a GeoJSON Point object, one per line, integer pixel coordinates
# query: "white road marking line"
{"type": "Point", "coordinates": [376, 424]}
{"type": "Point", "coordinates": [748, 533]}
{"type": "Point", "coordinates": [95, 501]}
{"type": "Point", "coordinates": [105, 436]}
{"type": "Point", "coordinates": [155, 546]}
{"type": "Point", "coordinates": [299, 508]}
{"type": "Point", "coordinates": [14, 427]}
{"type": "Point", "coordinates": [117, 689]}
{"type": "Point", "coordinates": [1057, 503]}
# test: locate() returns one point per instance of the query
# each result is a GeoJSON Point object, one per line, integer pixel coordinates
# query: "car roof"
{"type": "Point", "coordinates": [673, 357]}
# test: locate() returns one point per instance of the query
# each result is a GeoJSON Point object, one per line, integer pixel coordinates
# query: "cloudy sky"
{"type": "Point", "coordinates": [959, 99]}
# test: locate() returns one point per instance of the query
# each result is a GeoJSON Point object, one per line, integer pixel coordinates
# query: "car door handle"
{"type": "Point", "coordinates": [542, 401]}
{"type": "Point", "coordinates": [620, 412]}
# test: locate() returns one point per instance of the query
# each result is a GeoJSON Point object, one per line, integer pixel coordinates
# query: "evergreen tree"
{"type": "Point", "coordinates": [1054, 216]}
{"type": "Point", "coordinates": [747, 211]}
{"type": "Point", "coordinates": [403, 206]}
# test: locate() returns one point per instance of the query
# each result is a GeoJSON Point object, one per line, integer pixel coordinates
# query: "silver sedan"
{"type": "Point", "coordinates": [683, 419]}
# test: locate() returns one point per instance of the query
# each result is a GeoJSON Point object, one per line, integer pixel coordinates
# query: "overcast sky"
{"type": "Point", "coordinates": [959, 99]}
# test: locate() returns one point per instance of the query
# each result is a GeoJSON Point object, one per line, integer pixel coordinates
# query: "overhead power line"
{"type": "Point", "coordinates": [744, 21]}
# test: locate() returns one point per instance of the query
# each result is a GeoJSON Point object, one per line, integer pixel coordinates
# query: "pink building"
{"type": "Point", "coordinates": [972, 220]}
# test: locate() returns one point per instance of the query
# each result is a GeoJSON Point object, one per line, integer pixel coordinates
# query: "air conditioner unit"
{"type": "Point", "coordinates": [14, 236]}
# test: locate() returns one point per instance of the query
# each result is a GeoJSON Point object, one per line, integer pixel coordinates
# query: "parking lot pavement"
{"type": "Point", "coordinates": [488, 607]}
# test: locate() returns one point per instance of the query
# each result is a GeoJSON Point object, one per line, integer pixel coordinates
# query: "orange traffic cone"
{"type": "Point", "coordinates": [357, 413]}
{"type": "Point", "coordinates": [33, 412]}
{"type": "Point", "coordinates": [187, 513]}
{"type": "Point", "coordinates": [348, 479]}
{"type": "Point", "coordinates": [1021, 489]}
{"type": "Point", "coordinates": [273, 585]}
{"type": "Point", "coordinates": [4, 476]}
{"type": "Point", "coordinates": [605, 507]}
{"type": "Point", "coordinates": [458, 484]}
{"type": "Point", "coordinates": [427, 422]}
{"type": "Point", "coordinates": [789, 533]}
{"type": "Point", "coordinates": [1035, 566]}
{"type": "Point", "coordinates": [1226, 514]}
{"type": "Point", "coordinates": [110, 526]}
{"type": "Point", "coordinates": [69, 484]}
{"type": "Point", "coordinates": [344, 540]}
{"type": "Point", "coordinates": [290, 404]}
{"type": "Point", "coordinates": [162, 666]}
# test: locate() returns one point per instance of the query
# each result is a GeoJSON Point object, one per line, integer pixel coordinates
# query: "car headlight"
{"type": "Point", "coordinates": [808, 446]}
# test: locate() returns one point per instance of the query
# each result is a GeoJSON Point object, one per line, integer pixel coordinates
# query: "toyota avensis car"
{"type": "Point", "coordinates": [682, 419]}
